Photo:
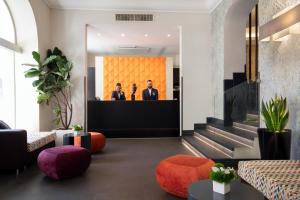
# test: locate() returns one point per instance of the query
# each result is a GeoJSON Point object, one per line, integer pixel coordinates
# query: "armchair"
{"type": "Point", "coordinates": [13, 149]}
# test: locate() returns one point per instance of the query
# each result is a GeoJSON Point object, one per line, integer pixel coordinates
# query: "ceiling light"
{"type": "Point", "coordinates": [146, 35]}
{"type": "Point", "coordinates": [169, 35]}
{"type": "Point", "coordinates": [123, 35]}
{"type": "Point", "coordinates": [98, 34]}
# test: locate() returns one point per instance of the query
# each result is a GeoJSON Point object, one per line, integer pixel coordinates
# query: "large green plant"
{"type": "Point", "coordinates": [52, 81]}
{"type": "Point", "coordinates": [275, 114]}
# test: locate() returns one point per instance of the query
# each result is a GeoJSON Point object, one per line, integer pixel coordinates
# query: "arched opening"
{"type": "Point", "coordinates": [18, 38]}
{"type": "Point", "coordinates": [240, 92]}
{"type": "Point", "coordinates": [235, 38]}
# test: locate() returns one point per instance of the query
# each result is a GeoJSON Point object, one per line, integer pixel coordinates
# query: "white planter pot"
{"type": "Point", "coordinates": [221, 188]}
{"type": "Point", "coordinates": [59, 136]}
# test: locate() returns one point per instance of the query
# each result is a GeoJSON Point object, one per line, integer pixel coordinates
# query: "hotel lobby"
{"type": "Point", "coordinates": [150, 100]}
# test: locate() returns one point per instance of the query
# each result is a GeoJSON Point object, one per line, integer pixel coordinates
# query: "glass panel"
{"type": "Point", "coordinates": [240, 101]}
{"type": "Point", "coordinates": [6, 23]}
{"type": "Point", "coordinates": [7, 90]}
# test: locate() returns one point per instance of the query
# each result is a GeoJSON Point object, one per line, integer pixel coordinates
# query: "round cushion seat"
{"type": "Point", "coordinates": [64, 161]}
{"type": "Point", "coordinates": [175, 174]}
{"type": "Point", "coordinates": [98, 142]}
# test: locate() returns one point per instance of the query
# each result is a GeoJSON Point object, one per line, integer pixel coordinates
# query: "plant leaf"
{"type": "Point", "coordinates": [37, 57]}
{"type": "Point", "coordinates": [33, 72]}
{"type": "Point", "coordinates": [49, 60]}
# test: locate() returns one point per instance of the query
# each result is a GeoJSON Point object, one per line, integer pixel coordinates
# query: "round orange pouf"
{"type": "Point", "coordinates": [175, 174]}
{"type": "Point", "coordinates": [98, 141]}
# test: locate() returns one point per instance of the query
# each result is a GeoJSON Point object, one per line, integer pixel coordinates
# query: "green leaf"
{"type": "Point", "coordinates": [275, 114]}
{"type": "Point", "coordinates": [37, 83]}
{"type": "Point", "coordinates": [49, 60]}
{"type": "Point", "coordinates": [33, 72]}
{"type": "Point", "coordinates": [42, 98]}
{"type": "Point", "coordinates": [30, 65]}
{"type": "Point", "coordinates": [37, 57]}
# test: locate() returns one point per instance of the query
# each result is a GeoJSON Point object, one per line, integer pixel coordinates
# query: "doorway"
{"type": "Point", "coordinates": [133, 54]}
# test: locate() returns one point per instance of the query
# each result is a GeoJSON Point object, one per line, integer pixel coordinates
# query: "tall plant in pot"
{"type": "Point", "coordinates": [275, 140]}
{"type": "Point", "coordinates": [52, 82]}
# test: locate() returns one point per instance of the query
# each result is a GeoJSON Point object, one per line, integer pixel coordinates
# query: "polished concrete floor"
{"type": "Point", "coordinates": [125, 170]}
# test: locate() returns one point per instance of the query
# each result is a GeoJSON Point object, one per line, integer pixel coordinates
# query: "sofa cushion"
{"type": "Point", "coordinates": [3, 125]}
{"type": "Point", "coordinates": [39, 139]}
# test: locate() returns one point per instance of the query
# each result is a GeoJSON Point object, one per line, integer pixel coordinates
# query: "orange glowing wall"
{"type": "Point", "coordinates": [129, 70]}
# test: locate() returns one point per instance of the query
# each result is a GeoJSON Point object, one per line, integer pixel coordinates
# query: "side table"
{"type": "Point", "coordinates": [204, 190]}
{"type": "Point", "coordinates": [85, 138]}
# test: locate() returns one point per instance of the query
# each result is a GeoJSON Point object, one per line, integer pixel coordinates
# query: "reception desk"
{"type": "Point", "coordinates": [123, 119]}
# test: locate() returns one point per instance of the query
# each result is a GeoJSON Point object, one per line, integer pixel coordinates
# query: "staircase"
{"type": "Point", "coordinates": [222, 143]}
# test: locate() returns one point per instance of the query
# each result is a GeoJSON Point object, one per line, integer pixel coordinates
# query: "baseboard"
{"type": "Point", "coordinates": [187, 132]}
{"type": "Point", "coordinates": [199, 126]}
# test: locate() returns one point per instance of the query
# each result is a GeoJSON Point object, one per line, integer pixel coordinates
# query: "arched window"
{"type": "Point", "coordinates": [7, 31]}
{"type": "Point", "coordinates": [7, 68]}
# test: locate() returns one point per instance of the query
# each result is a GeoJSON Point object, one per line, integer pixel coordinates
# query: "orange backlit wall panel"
{"type": "Point", "coordinates": [128, 70]}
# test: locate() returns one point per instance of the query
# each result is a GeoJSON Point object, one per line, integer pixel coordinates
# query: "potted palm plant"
{"type": "Point", "coordinates": [275, 140]}
{"type": "Point", "coordinates": [52, 82]}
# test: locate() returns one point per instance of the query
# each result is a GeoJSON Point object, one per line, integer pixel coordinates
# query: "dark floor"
{"type": "Point", "coordinates": [124, 171]}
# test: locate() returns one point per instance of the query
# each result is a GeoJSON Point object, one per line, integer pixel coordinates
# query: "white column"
{"type": "Point", "coordinates": [169, 78]}
{"type": "Point", "coordinates": [99, 79]}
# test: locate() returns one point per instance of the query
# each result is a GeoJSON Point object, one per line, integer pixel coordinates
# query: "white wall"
{"type": "Point", "coordinates": [68, 33]}
{"type": "Point", "coordinates": [169, 78]}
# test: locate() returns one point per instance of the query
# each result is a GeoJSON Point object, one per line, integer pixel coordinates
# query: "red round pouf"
{"type": "Point", "coordinates": [175, 174]}
{"type": "Point", "coordinates": [98, 141]}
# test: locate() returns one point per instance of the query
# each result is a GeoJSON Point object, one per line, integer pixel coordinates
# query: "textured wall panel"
{"type": "Point", "coordinates": [129, 70]}
{"type": "Point", "coordinates": [279, 66]}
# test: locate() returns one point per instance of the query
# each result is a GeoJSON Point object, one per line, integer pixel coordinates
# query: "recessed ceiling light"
{"type": "Point", "coordinates": [169, 35]}
{"type": "Point", "coordinates": [146, 35]}
{"type": "Point", "coordinates": [123, 35]}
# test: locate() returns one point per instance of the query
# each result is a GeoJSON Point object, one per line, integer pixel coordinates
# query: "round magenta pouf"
{"type": "Point", "coordinates": [64, 162]}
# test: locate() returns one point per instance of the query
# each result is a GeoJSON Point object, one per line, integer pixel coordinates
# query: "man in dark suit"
{"type": "Point", "coordinates": [150, 93]}
{"type": "Point", "coordinates": [118, 94]}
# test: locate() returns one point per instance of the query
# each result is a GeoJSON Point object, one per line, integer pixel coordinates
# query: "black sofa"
{"type": "Point", "coordinates": [13, 149]}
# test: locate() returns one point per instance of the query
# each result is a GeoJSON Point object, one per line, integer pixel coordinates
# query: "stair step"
{"type": "Point", "coordinates": [241, 133]}
{"type": "Point", "coordinates": [227, 149]}
{"type": "Point", "coordinates": [206, 149]}
{"type": "Point", "coordinates": [252, 117]}
{"type": "Point", "coordinates": [243, 137]}
{"type": "Point", "coordinates": [220, 139]}
{"type": "Point", "coordinates": [248, 126]}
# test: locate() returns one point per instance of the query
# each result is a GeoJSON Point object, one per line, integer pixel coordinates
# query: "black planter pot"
{"type": "Point", "coordinates": [274, 146]}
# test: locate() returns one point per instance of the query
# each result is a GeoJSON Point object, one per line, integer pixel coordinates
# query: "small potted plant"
{"type": "Point", "coordinates": [77, 128]}
{"type": "Point", "coordinates": [222, 177]}
{"type": "Point", "coordinates": [275, 140]}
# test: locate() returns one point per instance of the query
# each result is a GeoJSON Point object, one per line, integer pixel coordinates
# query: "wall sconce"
{"type": "Point", "coordinates": [284, 23]}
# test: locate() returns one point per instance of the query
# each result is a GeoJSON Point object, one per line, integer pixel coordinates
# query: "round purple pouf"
{"type": "Point", "coordinates": [64, 162]}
